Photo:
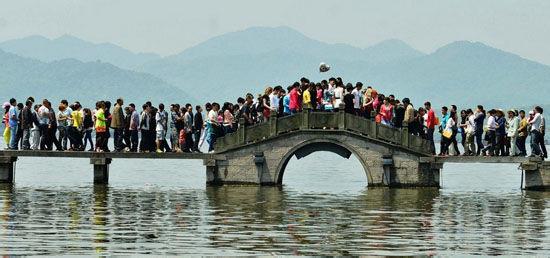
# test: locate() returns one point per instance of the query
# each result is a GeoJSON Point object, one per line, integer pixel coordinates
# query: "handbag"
{"type": "Point", "coordinates": [447, 134]}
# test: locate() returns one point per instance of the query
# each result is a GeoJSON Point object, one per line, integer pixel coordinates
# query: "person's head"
{"type": "Point", "coordinates": [349, 87]}
{"type": "Point", "coordinates": [453, 115]}
{"type": "Point", "coordinates": [65, 103]}
{"type": "Point", "coordinates": [469, 112]}
{"type": "Point", "coordinates": [282, 93]}
{"type": "Point", "coordinates": [392, 97]}
{"type": "Point", "coordinates": [107, 105]}
{"type": "Point", "coordinates": [28, 103]}
{"type": "Point", "coordinates": [208, 106]}
{"type": "Point", "coordinates": [62, 107]}
{"type": "Point", "coordinates": [538, 109]}
{"type": "Point", "coordinates": [240, 101]}
{"type": "Point", "coordinates": [13, 102]}
{"type": "Point", "coordinates": [492, 112]}
{"type": "Point", "coordinates": [427, 105]}
{"type": "Point", "coordinates": [31, 99]}
{"type": "Point", "coordinates": [421, 111]}
{"type": "Point", "coordinates": [132, 107]}
{"type": "Point", "coordinates": [268, 91]}
{"type": "Point", "coordinates": [511, 113]}
{"type": "Point", "coordinates": [249, 99]}
{"type": "Point", "coordinates": [161, 107]}
{"type": "Point", "coordinates": [127, 110]}
{"type": "Point", "coordinates": [87, 112]}
{"type": "Point", "coordinates": [406, 101]}
{"type": "Point", "coordinates": [387, 100]}
{"type": "Point", "coordinates": [304, 81]}
{"type": "Point", "coordinates": [463, 113]}
{"type": "Point", "coordinates": [479, 108]}
{"type": "Point", "coordinates": [226, 106]}
{"type": "Point", "coordinates": [453, 108]}
{"type": "Point", "coordinates": [120, 102]}
{"type": "Point", "coordinates": [101, 104]}
{"type": "Point", "coordinates": [215, 107]}
{"type": "Point", "coordinates": [359, 85]}
{"type": "Point", "coordinates": [444, 110]}
{"type": "Point", "coordinates": [277, 89]}
{"type": "Point", "coordinates": [522, 113]}
{"type": "Point", "coordinates": [20, 106]}
{"type": "Point", "coordinates": [198, 108]}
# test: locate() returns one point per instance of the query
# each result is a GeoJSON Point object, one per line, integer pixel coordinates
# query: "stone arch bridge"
{"type": "Point", "coordinates": [259, 154]}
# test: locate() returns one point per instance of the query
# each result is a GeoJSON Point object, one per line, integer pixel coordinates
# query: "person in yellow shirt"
{"type": "Point", "coordinates": [75, 128]}
{"type": "Point", "coordinates": [522, 133]}
{"type": "Point", "coordinates": [306, 97]}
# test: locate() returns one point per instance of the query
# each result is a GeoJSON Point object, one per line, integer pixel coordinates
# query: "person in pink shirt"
{"type": "Point", "coordinates": [386, 112]}
{"type": "Point", "coordinates": [294, 98]}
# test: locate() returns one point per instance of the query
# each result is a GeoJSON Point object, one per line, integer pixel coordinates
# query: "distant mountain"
{"type": "Point", "coordinates": [462, 72]}
{"type": "Point", "coordinates": [75, 80]}
{"type": "Point", "coordinates": [227, 65]}
{"type": "Point", "coordinates": [468, 73]}
{"type": "Point", "coordinates": [48, 50]}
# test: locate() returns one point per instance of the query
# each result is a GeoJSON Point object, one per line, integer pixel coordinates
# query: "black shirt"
{"type": "Point", "coordinates": [348, 103]}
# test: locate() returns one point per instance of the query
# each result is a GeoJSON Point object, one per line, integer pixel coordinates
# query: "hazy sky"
{"type": "Point", "coordinates": [169, 26]}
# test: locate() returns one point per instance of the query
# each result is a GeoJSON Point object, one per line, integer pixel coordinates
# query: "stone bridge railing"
{"type": "Point", "coordinates": [332, 121]}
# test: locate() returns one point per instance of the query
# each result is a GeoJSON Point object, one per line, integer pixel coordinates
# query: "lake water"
{"type": "Point", "coordinates": [324, 208]}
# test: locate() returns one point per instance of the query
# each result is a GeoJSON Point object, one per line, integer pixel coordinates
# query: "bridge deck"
{"type": "Point", "coordinates": [111, 155]}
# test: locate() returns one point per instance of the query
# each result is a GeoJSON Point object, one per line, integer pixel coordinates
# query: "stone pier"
{"type": "Point", "coordinates": [101, 170]}
{"type": "Point", "coordinates": [537, 175]}
{"type": "Point", "coordinates": [7, 169]}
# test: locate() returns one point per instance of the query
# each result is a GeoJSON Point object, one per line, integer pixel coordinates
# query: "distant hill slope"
{"type": "Point", "coordinates": [67, 46]}
{"type": "Point", "coordinates": [230, 64]}
{"type": "Point", "coordinates": [75, 80]}
{"type": "Point", "coordinates": [462, 72]}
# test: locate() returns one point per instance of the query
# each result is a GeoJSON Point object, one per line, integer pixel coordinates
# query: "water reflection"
{"type": "Point", "coordinates": [266, 220]}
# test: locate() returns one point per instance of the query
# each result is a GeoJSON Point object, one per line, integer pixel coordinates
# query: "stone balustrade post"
{"type": "Point", "coordinates": [273, 123]}
{"type": "Point", "coordinates": [305, 119]}
{"type": "Point", "coordinates": [405, 134]}
{"type": "Point", "coordinates": [341, 117]}
{"type": "Point", "coordinates": [241, 131]}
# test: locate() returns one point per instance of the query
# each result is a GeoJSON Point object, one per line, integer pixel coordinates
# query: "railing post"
{"type": "Point", "coordinates": [241, 131]}
{"type": "Point", "coordinates": [305, 119]}
{"type": "Point", "coordinates": [405, 134]}
{"type": "Point", "coordinates": [273, 123]}
{"type": "Point", "coordinates": [341, 117]}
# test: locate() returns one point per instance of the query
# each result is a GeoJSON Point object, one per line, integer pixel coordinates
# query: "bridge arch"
{"type": "Point", "coordinates": [321, 144]}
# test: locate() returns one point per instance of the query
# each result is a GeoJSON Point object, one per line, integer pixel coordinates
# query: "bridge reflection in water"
{"type": "Point", "coordinates": [269, 220]}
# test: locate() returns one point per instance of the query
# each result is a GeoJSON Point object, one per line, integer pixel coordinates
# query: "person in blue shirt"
{"type": "Point", "coordinates": [286, 102]}
{"type": "Point", "coordinates": [500, 134]}
{"type": "Point", "coordinates": [13, 121]}
{"type": "Point", "coordinates": [443, 148]}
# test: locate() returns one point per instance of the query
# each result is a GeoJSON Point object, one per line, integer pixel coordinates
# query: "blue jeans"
{"type": "Point", "coordinates": [13, 137]}
{"type": "Point", "coordinates": [535, 143]}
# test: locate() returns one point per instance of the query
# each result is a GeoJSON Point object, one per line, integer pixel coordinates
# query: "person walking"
{"type": "Point", "coordinates": [117, 124]}
{"type": "Point", "coordinates": [536, 133]}
{"type": "Point", "coordinates": [512, 132]}
{"type": "Point", "coordinates": [198, 125]}
{"type": "Point", "coordinates": [470, 131]}
{"type": "Point", "coordinates": [27, 123]}
{"type": "Point", "coordinates": [88, 126]}
{"type": "Point", "coordinates": [479, 120]}
{"type": "Point", "coordinates": [13, 123]}
{"type": "Point", "coordinates": [490, 135]}
{"type": "Point", "coordinates": [522, 133]}
{"type": "Point", "coordinates": [430, 125]}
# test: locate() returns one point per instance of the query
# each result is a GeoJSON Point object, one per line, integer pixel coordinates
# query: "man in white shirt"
{"type": "Point", "coordinates": [490, 135]}
{"type": "Point", "coordinates": [536, 133]}
{"type": "Point", "coordinates": [274, 98]}
{"type": "Point", "coordinates": [162, 124]}
{"type": "Point", "coordinates": [470, 130]}
{"type": "Point", "coordinates": [357, 97]}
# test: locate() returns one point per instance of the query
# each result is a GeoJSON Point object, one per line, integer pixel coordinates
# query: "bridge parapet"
{"type": "Point", "coordinates": [329, 121]}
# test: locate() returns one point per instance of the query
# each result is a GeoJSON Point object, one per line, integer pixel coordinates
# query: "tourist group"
{"type": "Point", "coordinates": [40, 126]}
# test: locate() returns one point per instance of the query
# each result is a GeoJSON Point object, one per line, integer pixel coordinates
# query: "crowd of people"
{"type": "Point", "coordinates": [30, 126]}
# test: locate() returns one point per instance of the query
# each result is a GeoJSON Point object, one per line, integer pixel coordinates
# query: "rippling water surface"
{"type": "Point", "coordinates": [164, 207]}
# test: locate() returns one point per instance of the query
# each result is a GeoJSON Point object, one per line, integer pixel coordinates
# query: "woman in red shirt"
{"type": "Point", "coordinates": [386, 112]}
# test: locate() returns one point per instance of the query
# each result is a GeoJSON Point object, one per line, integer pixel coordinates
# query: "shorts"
{"type": "Point", "coordinates": [161, 135]}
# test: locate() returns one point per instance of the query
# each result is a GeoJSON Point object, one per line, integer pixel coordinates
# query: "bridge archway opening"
{"type": "Point", "coordinates": [323, 165]}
